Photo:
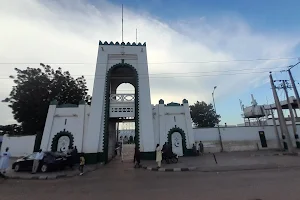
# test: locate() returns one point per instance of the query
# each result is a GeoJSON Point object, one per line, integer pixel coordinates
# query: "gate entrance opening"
{"type": "Point", "coordinates": [122, 107]}
{"type": "Point", "coordinates": [125, 136]}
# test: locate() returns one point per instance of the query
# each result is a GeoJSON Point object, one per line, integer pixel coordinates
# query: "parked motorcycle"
{"type": "Point", "coordinates": [172, 158]}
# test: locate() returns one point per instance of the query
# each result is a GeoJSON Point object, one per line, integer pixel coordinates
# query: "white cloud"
{"type": "Point", "coordinates": [68, 32]}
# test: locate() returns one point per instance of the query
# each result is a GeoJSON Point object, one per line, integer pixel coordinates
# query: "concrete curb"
{"type": "Point", "coordinates": [220, 168]}
{"type": "Point", "coordinates": [184, 169]}
{"type": "Point", "coordinates": [48, 177]}
{"type": "Point", "coordinates": [276, 154]}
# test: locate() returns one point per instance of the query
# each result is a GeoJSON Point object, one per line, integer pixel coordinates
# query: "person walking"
{"type": "Point", "coordinates": [36, 163]}
{"type": "Point", "coordinates": [158, 155]}
{"type": "Point", "coordinates": [74, 157]}
{"type": "Point", "coordinates": [116, 148]}
{"type": "Point", "coordinates": [194, 150]}
{"type": "Point", "coordinates": [201, 147]}
{"type": "Point", "coordinates": [164, 151]}
{"type": "Point", "coordinates": [137, 158]}
{"type": "Point", "coordinates": [198, 149]}
{"type": "Point", "coordinates": [4, 162]}
{"type": "Point", "coordinates": [82, 163]}
{"type": "Point", "coordinates": [120, 149]}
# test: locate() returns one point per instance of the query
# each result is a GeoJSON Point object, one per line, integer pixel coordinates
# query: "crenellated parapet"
{"type": "Point", "coordinates": [122, 43]}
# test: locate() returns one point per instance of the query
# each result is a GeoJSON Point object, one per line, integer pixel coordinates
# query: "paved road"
{"type": "Point", "coordinates": [120, 181]}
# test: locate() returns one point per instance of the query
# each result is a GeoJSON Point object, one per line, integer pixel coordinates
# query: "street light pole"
{"type": "Point", "coordinates": [220, 137]}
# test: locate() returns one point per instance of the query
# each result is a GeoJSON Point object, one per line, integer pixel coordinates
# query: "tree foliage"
{"type": "Point", "coordinates": [204, 115]}
{"type": "Point", "coordinates": [34, 90]}
{"type": "Point", "coordinates": [12, 129]}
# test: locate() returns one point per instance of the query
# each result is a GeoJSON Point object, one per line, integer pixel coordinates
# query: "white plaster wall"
{"type": "Point", "coordinates": [162, 124]}
{"type": "Point", "coordinates": [76, 123]}
{"type": "Point", "coordinates": [156, 124]}
{"type": "Point", "coordinates": [145, 108]}
{"type": "Point", "coordinates": [18, 145]}
{"type": "Point", "coordinates": [189, 126]}
{"type": "Point", "coordinates": [48, 127]}
{"type": "Point", "coordinates": [239, 138]}
{"type": "Point", "coordinates": [167, 117]}
{"type": "Point", "coordinates": [73, 111]}
{"type": "Point", "coordinates": [86, 124]}
{"type": "Point", "coordinates": [92, 142]}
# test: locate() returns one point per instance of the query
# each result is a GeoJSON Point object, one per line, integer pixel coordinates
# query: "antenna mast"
{"type": "Point", "coordinates": [135, 35]}
{"type": "Point", "coordinates": [122, 23]}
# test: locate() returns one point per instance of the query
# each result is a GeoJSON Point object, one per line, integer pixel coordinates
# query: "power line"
{"type": "Point", "coordinates": [181, 73]}
{"type": "Point", "coordinates": [163, 77]}
{"type": "Point", "coordinates": [178, 62]}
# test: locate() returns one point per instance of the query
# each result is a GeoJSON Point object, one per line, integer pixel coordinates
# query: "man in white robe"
{"type": "Point", "coordinates": [4, 161]}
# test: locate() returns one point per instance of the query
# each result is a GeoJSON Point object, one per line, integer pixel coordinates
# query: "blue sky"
{"type": "Point", "coordinates": [175, 31]}
{"type": "Point", "coordinates": [263, 16]}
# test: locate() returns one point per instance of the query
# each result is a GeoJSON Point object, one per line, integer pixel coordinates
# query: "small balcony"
{"type": "Point", "coordinates": [121, 105]}
{"type": "Point", "coordinates": [122, 98]}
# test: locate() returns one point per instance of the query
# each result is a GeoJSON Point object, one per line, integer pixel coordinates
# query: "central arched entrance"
{"type": "Point", "coordinates": [121, 106]}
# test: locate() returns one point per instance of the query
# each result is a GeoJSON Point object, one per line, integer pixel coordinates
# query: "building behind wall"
{"type": "Point", "coordinates": [260, 115]}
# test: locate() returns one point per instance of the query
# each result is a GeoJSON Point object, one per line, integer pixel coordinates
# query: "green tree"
{"type": "Point", "coordinates": [204, 115]}
{"type": "Point", "coordinates": [11, 129]}
{"type": "Point", "coordinates": [34, 90]}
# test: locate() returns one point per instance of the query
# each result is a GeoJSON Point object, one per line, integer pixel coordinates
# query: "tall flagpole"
{"type": "Point", "coordinates": [122, 24]}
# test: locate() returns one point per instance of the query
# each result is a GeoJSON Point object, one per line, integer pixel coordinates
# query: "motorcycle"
{"type": "Point", "coordinates": [172, 158]}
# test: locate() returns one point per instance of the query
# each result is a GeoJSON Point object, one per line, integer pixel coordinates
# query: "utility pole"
{"type": "Point", "coordinates": [284, 86]}
{"type": "Point", "coordinates": [276, 130]}
{"type": "Point", "coordinates": [293, 83]}
{"type": "Point", "coordinates": [287, 144]}
{"type": "Point", "coordinates": [274, 124]}
{"type": "Point", "coordinates": [294, 87]}
{"type": "Point", "coordinates": [220, 137]}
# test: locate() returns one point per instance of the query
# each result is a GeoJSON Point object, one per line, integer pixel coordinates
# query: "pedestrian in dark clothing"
{"type": "Point", "coordinates": [194, 150]}
{"type": "Point", "coordinates": [164, 151]}
{"type": "Point", "coordinates": [137, 158]}
{"type": "Point", "coordinates": [74, 157]}
{"type": "Point", "coordinates": [75, 149]}
{"type": "Point", "coordinates": [201, 147]}
{"type": "Point", "coordinates": [117, 146]}
{"type": "Point", "coordinates": [120, 148]}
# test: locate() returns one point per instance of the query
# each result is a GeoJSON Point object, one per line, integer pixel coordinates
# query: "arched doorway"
{"type": "Point", "coordinates": [177, 140]}
{"type": "Point", "coordinates": [177, 146]}
{"type": "Point", "coordinates": [121, 106]}
{"type": "Point", "coordinates": [62, 141]}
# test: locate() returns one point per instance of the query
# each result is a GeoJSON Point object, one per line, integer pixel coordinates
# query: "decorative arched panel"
{"type": "Point", "coordinates": [63, 140]}
{"type": "Point", "coordinates": [178, 130]}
